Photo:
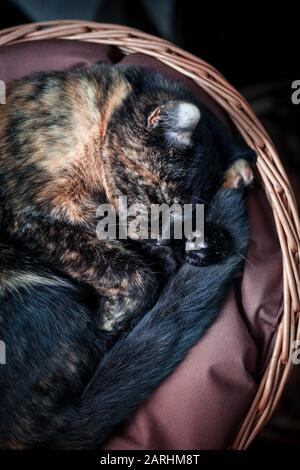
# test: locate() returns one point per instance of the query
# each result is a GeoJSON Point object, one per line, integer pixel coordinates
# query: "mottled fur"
{"type": "Point", "coordinates": [70, 141]}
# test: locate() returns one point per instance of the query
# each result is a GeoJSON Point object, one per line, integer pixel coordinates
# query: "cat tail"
{"type": "Point", "coordinates": [146, 355]}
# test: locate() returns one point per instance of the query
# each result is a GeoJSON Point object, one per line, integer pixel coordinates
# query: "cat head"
{"type": "Point", "coordinates": [149, 144]}
{"type": "Point", "coordinates": [148, 152]}
{"type": "Point", "coordinates": [159, 148]}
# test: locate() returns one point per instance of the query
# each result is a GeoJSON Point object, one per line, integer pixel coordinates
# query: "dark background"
{"type": "Point", "coordinates": [257, 51]}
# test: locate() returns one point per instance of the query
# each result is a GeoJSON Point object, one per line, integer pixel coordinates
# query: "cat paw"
{"type": "Point", "coordinates": [163, 255]}
{"type": "Point", "coordinates": [238, 175]}
{"type": "Point", "coordinates": [166, 256]}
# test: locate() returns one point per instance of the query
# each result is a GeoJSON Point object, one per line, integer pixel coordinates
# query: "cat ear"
{"type": "Point", "coordinates": [178, 119]}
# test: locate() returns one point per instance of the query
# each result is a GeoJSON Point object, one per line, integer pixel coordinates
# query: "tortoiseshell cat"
{"type": "Point", "coordinates": [70, 141]}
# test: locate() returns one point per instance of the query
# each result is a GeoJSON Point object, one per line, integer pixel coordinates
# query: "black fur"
{"type": "Point", "coordinates": [39, 324]}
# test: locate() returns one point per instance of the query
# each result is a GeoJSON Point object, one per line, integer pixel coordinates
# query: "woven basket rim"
{"type": "Point", "coordinates": [270, 168]}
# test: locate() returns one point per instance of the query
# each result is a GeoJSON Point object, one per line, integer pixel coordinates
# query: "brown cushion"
{"type": "Point", "coordinates": [201, 405]}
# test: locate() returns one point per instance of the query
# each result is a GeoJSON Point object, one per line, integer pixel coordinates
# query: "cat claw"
{"type": "Point", "coordinates": [238, 175]}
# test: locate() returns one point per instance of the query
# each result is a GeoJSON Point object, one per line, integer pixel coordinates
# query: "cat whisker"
{"type": "Point", "coordinates": [246, 259]}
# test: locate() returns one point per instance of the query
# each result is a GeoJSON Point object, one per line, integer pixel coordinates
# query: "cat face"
{"type": "Point", "coordinates": [148, 152]}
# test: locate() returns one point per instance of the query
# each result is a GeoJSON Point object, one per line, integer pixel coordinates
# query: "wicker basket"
{"type": "Point", "coordinates": [274, 180]}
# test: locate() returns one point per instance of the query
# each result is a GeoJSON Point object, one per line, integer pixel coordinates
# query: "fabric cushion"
{"type": "Point", "coordinates": [202, 404]}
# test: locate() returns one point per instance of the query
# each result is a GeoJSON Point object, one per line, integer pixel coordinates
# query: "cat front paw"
{"type": "Point", "coordinates": [167, 259]}
{"type": "Point", "coordinates": [238, 175]}
{"type": "Point", "coordinates": [163, 256]}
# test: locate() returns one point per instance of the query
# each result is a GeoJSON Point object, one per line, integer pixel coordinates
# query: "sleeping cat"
{"type": "Point", "coordinates": [70, 141]}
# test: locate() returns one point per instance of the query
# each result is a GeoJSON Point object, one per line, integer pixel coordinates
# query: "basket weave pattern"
{"type": "Point", "coordinates": [269, 166]}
